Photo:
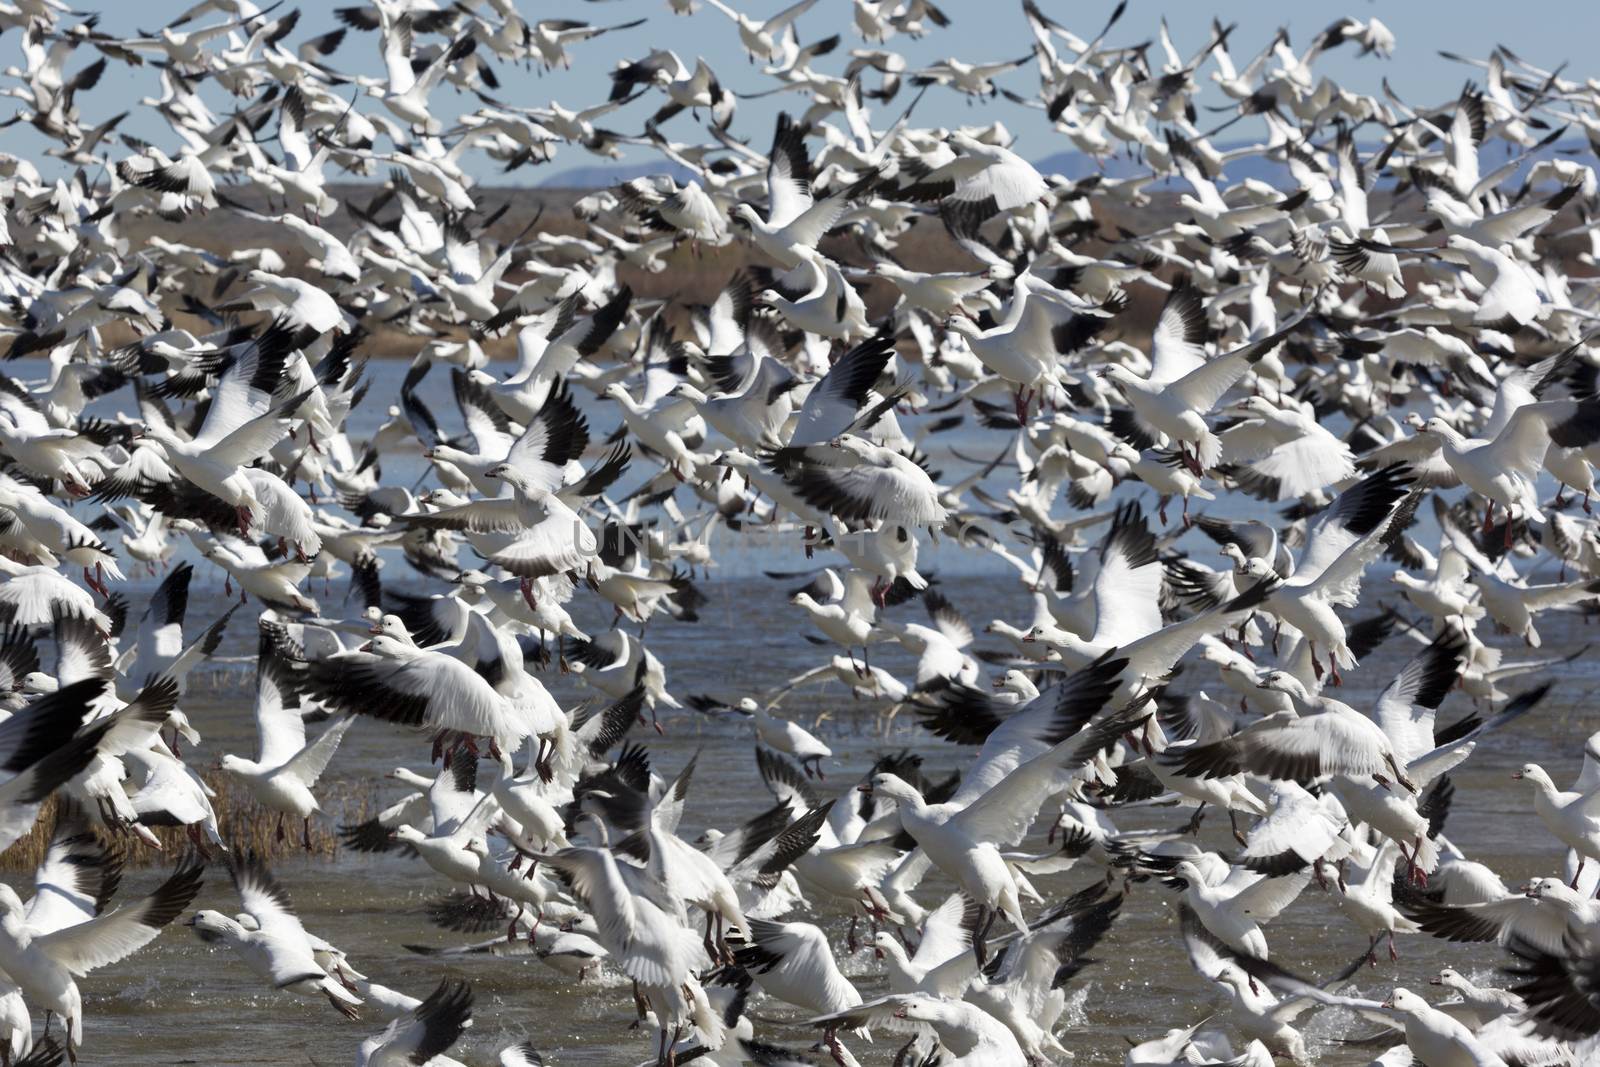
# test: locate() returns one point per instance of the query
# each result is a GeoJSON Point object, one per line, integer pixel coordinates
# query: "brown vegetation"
{"type": "Point", "coordinates": [243, 823]}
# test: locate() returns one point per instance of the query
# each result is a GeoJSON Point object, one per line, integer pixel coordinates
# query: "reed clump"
{"type": "Point", "coordinates": [243, 824]}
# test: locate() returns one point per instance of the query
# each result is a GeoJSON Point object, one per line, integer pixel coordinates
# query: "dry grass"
{"type": "Point", "coordinates": [243, 823]}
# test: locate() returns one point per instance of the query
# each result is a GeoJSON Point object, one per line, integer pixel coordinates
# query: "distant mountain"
{"type": "Point", "coordinates": [601, 175]}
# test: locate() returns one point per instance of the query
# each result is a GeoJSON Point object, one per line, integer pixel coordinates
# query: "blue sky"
{"type": "Point", "coordinates": [1545, 32]}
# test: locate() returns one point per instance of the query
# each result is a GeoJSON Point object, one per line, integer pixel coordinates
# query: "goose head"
{"type": "Point", "coordinates": [1284, 682]}
{"type": "Point", "coordinates": [236, 765]}
{"type": "Point", "coordinates": [36, 682]}
{"type": "Point", "coordinates": [1015, 681]}
{"type": "Point", "coordinates": [1549, 889]}
{"type": "Point", "coordinates": [212, 926]}
{"type": "Point", "coordinates": [1184, 875]}
{"type": "Point", "coordinates": [391, 626]}
{"type": "Point", "coordinates": [892, 786]}
{"type": "Point", "coordinates": [963, 325]}
{"type": "Point", "coordinates": [689, 393]}
{"type": "Point", "coordinates": [1436, 427]}
{"type": "Point", "coordinates": [409, 777]}
{"type": "Point", "coordinates": [884, 944]}
{"type": "Point", "coordinates": [918, 1009]}
{"type": "Point", "coordinates": [1254, 567]}
{"type": "Point", "coordinates": [387, 647]}
{"type": "Point", "coordinates": [1450, 978]}
{"type": "Point", "coordinates": [1253, 407]}
{"type": "Point", "coordinates": [1125, 452]}
{"type": "Point", "coordinates": [1115, 373]}
{"type": "Point", "coordinates": [1233, 978]}
{"type": "Point", "coordinates": [1405, 1000]}
{"type": "Point", "coordinates": [1534, 773]}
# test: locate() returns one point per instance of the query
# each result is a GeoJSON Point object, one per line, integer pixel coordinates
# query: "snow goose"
{"type": "Point", "coordinates": [796, 217]}
{"type": "Point", "coordinates": [437, 1023]}
{"type": "Point", "coordinates": [761, 39]}
{"type": "Point", "coordinates": [390, 678]}
{"type": "Point", "coordinates": [43, 746]}
{"type": "Point", "coordinates": [1555, 984]}
{"type": "Point", "coordinates": [685, 873]}
{"type": "Point", "coordinates": [1232, 902]}
{"type": "Point", "coordinates": [47, 451]}
{"type": "Point", "coordinates": [1367, 899]}
{"type": "Point", "coordinates": [941, 648]}
{"type": "Point", "coordinates": [1502, 470]}
{"type": "Point", "coordinates": [490, 433]}
{"type": "Point", "coordinates": [1176, 408]}
{"type": "Point", "coordinates": [1513, 604]}
{"type": "Point", "coordinates": [616, 663]}
{"type": "Point", "coordinates": [1485, 1002]}
{"type": "Point", "coordinates": [1574, 818]}
{"type": "Point", "coordinates": [275, 945]}
{"type": "Point", "coordinates": [816, 298]}
{"type": "Point", "coordinates": [792, 962]}
{"type": "Point", "coordinates": [1284, 452]}
{"type": "Point", "coordinates": [1296, 829]}
{"type": "Point", "coordinates": [281, 778]}
{"type": "Point", "coordinates": [1025, 346]}
{"type": "Point", "coordinates": [1126, 592]}
{"type": "Point", "coordinates": [245, 563]}
{"type": "Point", "coordinates": [1333, 739]}
{"type": "Point", "coordinates": [662, 425]}
{"type": "Point", "coordinates": [686, 210]}
{"type": "Point", "coordinates": [749, 408]}
{"type": "Point", "coordinates": [1510, 294]}
{"type": "Point", "coordinates": [943, 295]}
{"type": "Point", "coordinates": [305, 306]}
{"type": "Point", "coordinates": [551, 36]}
{"type": "Point", "coordinates": [831, 406]}
{"type": "Point", "coordinates": [548, 351]}
{"type": "Point", "coordinates": [848, 617]}
{"type": "Point", "coordinates": [1025, 988]}
{"type": "Point", "coordinates": [696, 89]}
{"type": "Point", "coordinates": [1264, 1000]}
{"type": "Point", "coordinates": [1208, 209]}
{"type": "Point", "coordinates": [242, 423]}
{"type": "Point", "coordinates": [963, 837]}
{"type": "Point", "coordinates": [1346, 538]}
{"type": "Point", "coordinates": [1406, 711]}
{"type": "Point", "coordinates": [62, 534]}
{"type": "Point", "coordinates": [46, 965]}
{"type": "Point", "coordinates": [945, 938]}
{"type": "Point", "coordinates": [1436, 1038]}
{"type": "Point", "coordinates": [641, 929]}
{"type": "Point", "coordinates": [545, 536]}
{"type": "Point", "coordinates": [969, 1034]}
{"type": "Point", "coordinates": [775, 732]}
{"type": "Point", "coordinates": [976, 176]}
{"type": "Point", "coordinates": [858, 480]}
{"type": "Point", "coordinates": [165, 791]}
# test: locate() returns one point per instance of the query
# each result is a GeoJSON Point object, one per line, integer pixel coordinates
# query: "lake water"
{"type": "Point", "coordinates": [179, 1001]}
